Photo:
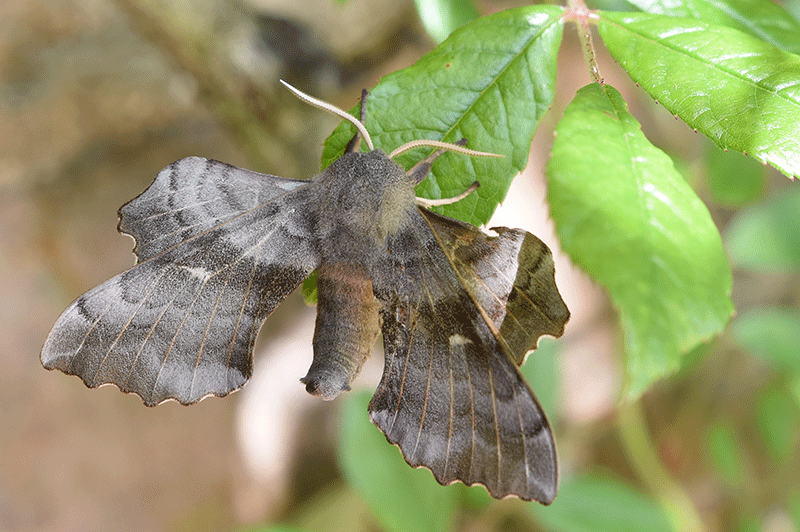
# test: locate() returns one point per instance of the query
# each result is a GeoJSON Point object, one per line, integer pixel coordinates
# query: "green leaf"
{"type": "Point", "coordinates": [597, 504]}
{"type": "Point", "coordinates": [490, 82]}
{"type": "Point", "coordinates": [793, 507]}
{"type": "Point", "coordinates": [443, 17]}
{"type": "Point", "coordinates": [625, 216]}
{"type": "Point", "coordinates": [762, 19]}
{"type": "Point", "coordinates": [402, 498]}
{"type": "Point", "coordinates": [741, 92]}
{"type": "Point", "coordinates": [772, 334]}
{"type": "Point", "coordinates": [749, 523]}
{"type": "Point", "coordinates": [777, 421]}
{"type": "Point", "coordinates": [794, 387]}
{"type": "Point", "coordinates": [793, 7]}
{"type": "Point", "coordinates": [310, 289]}
{"type": "Point", "coordinates": [723, 447]}
{"type": "Point", "coordinates": [541, 372]}
{"type": "Point", "coordinates": [766, 237]}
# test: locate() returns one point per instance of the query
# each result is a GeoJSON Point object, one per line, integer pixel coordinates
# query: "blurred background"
{"type": "Point", "coordinates": [96, 96]}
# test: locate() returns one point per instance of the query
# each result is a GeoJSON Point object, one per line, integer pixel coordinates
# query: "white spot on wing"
{"type": "Point", "coordinates": [457, 339]}
{"type": "Point", "coordinates": [198, 273]}
{"type": "Point", "coordinates": [288, 185]}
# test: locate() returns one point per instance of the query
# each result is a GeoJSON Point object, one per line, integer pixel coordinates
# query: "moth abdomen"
{"type": "Point", "coordinates": [346, 328]}
{"type": "Point", "coordinates": [325, 384]}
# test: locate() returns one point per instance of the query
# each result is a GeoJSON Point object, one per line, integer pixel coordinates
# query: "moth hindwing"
{"type": "Point", "coordinates": [219, 247]}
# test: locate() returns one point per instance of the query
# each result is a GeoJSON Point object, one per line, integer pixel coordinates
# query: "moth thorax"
{"type": "Point", "coordinates": [396, 205]}
{"type": "Point", "coordinates": [397, 199]}
{"type": "Point", "coordinates": [379, 194]}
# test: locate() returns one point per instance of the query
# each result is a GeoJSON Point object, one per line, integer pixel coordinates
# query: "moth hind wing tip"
{"type": "Point", "coordinates": [543, 492]}
{"type": "Point", "coordinates": [544, 495]}
{"type": "Point", "coordinates": [49, 360]}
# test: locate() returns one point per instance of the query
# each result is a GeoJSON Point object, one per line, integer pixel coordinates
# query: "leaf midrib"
{"type": "Point", "coordinates": [706, 62]}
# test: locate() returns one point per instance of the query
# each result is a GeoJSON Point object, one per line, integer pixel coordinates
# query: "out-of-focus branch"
{"type": "Point", "coordinates": [204, 39]}
{"type": "Point", "coordinates": [643, 457]}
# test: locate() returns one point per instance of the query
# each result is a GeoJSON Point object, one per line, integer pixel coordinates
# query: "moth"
{"type": "Point", "coordinates": [219, 247]}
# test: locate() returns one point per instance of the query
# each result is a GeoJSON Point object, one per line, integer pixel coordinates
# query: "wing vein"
{"type": "Point", "coordinates": [427, 383]}
{"type": "Point", "coordinates": [452, 411]}
{"type": "Point", "coordinates": [241, 313]}
{"type": "Point", "coordinates": [177, 332]}
{"type": "Point", "coordinates": [211, 316]}
{"type": "Point", "coordinates": [498, 443]}
{"type": "Point", "coordinates": [125, 327]}
{"type": "Point", "coordinates": [152, 329]}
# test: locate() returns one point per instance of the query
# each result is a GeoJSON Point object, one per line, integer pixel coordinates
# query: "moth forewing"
{"type": "Point", "coordinates": [511, 278]}
{"type": "Point", "coordinates": [182, 323]}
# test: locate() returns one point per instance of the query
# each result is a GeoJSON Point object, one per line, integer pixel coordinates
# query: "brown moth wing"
{"type": "Point", "coordinates": [182, 323]}
{"type": "Point", "coordinates": [451, 396]}
{"type": "Point", "coordinates": [511, 278]}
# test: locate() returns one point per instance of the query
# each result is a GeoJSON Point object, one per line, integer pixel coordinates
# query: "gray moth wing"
{"type": "Point", "coordinates": [192, 196]}
{"type": "Point", "coordinates": [218, 248]}
{"type": "Point", "coordinates": [451, 396]}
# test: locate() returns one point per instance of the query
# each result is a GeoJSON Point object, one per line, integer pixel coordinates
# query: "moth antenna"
{"type": "Point", "coordinates": [443, 145]}
{"type": "Point", "coordinates": [355, 142]}
{"type": "Point", "coordinates": [310, 100]}
{"type": "Point", "coordinates": [428, 203]}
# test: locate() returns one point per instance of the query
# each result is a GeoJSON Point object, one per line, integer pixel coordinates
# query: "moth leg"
{"type": "Point", "coordinates": [355, 142]}
{"type": "Point", "coordinates": [347, 326]}
{"type": "Point", "coordinates": [420, 171]}
{"type": "Point", "coordinates": [428, 203]}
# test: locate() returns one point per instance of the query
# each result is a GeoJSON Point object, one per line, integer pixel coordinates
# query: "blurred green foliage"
{"type": "Point", "coordinates": [766, 236]}
{"type": "Point", "coordinates": [593, 503]}
{"type": "Point", "coordinates": [723, 447]}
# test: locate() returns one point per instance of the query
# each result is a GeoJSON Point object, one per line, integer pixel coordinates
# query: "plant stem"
{"type": "Point", "coordinates": [636, 439]}
{"type": "Point", "coordinates": [581, 14]}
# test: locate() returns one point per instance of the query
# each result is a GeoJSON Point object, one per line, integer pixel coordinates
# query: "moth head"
{"type": "Point", "coordinates": [420, 170]}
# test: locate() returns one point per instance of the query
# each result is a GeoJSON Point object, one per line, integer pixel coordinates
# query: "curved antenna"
{"type": "Point", "coordinates": [443, 145]}
{"type": "Point", "coordinates": [331, 109]}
